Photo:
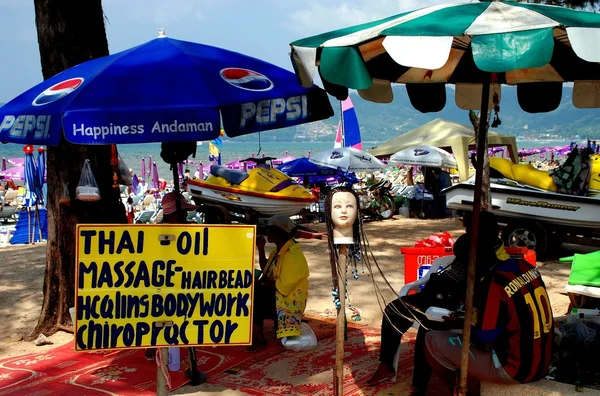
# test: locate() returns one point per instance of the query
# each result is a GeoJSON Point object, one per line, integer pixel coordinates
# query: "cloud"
{"type": "Point", "coordinates": [319, 16]}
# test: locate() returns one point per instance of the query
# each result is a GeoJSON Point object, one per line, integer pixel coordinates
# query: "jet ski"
{"type": "Point", "coordinates": [516, 200]}
{"type": "Point", "coordinates": [261, 191]}
{"type": "Point", "coordinates": [526, 193]}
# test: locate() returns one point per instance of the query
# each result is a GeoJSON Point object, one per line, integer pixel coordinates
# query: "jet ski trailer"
{"type": "Point", "coordinates": [534, 218]}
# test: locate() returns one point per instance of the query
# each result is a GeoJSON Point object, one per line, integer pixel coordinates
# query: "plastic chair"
{"type": "Point", "coordinates": [7, 213]}
{"type": "Point", "coordinates": [148, 200]}
{"type": "Point", "coordinates": [136, 199]}
{"type": "Point", "coordinates": [435, 267]}
{"type": "Point", "coordinates": [192, 216]}
{"type": "Point", "coordinates": [10, 196]}
{"type": "Point", "coordinates": [158, 217]}
{"type": "Point", "coordinates": [144, 217]}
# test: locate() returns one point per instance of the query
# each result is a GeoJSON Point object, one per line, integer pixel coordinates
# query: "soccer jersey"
{"type": "Point", "coordinates": [515, 319]}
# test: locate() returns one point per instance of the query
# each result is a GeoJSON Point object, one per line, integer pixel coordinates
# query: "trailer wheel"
{"type": "Point", "coordinates": [529, 235]}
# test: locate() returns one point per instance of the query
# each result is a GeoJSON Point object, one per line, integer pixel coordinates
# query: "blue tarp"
{"type": "Point", "coordinates": [28, 230]}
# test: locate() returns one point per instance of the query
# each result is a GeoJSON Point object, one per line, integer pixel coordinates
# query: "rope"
{"type": "Point", "coordinates": [259, 145]}
{"type": "Point", "coordinates": [159, 363]}
{"type": "Point", "coordinates": [381, 300]}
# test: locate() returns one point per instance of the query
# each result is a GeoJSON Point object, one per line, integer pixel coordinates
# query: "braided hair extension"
{"type": "Point", "coordinates": [361, 252]}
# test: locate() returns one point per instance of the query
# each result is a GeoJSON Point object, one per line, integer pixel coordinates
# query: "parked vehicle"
{"type": "Point", "coordinates": [376, 201]}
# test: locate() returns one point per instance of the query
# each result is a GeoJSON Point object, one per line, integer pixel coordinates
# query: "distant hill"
{"type": "Point", "coordinates": [380, 122]}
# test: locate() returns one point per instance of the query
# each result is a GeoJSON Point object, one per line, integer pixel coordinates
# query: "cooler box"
{"type": "Point", "coordinates": [522, 253]}
{"type": "Point", "coordinates": [417, 260]}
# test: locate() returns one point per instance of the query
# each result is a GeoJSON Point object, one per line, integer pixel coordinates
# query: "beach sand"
{"type": "Point", "coordinates": [22, 269]}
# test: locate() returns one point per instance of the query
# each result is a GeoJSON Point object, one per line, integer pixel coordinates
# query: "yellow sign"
{"type": "Point", "coordinates": [141, 286]}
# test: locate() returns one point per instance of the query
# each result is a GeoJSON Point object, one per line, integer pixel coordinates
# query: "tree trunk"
{"type": "Point", "coordinates": [71, 32]}
{"type": "Point", "coordinates": [486, 198]}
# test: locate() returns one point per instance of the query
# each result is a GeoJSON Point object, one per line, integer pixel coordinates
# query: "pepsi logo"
{"type": "Point", "coordinates": [57, 91]}
{"type": "Point", "coordinates": [246, 79]}
{"type": "Point", "coordinates": [336, 155]}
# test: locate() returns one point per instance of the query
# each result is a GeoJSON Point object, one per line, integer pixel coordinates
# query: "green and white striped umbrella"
{"type": "Point", "coordinates": [535, 47]}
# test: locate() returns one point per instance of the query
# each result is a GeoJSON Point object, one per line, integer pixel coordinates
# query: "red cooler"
{"type": "Point", "coordinates": [417, 260]}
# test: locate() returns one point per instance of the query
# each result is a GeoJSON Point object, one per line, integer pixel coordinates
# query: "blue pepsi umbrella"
{"type": "Point", "coordinates": [303, 167]}
{"type": "Point", "coordinates": [163, 90]}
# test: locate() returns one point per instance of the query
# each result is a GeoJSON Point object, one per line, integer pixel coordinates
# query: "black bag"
{"type": "Point", "coordinates": [444, 292]}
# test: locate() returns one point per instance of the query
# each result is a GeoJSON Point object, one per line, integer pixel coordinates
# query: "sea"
{"type": "Point", "coordinates": [232, 150]}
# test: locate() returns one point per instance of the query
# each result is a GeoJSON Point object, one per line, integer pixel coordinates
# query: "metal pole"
{"type": "Point", "coordinates": [483, 121]}
{"type": "Point", "coordinates": [342, 124]}
{"type": "Point", "coordinates": [194, 374]}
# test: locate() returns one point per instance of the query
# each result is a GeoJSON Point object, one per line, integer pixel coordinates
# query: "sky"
{"type": "Point", "coordinates": [260, 28]}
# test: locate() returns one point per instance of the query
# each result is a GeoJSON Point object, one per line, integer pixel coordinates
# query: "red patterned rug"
{"type": "Point", "coordinates": [311, 372]}
{"type": "Point", "coordinates": [272, 371]}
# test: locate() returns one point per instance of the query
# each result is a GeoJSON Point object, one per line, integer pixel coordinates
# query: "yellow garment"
{"type": "Point", "coordinates": [501, 253]}
{"type": "Point", "coordinates": [289, 270]}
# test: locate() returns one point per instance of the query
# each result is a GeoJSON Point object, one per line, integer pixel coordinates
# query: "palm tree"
{"type": "Point", "coordinates": [70, 32]}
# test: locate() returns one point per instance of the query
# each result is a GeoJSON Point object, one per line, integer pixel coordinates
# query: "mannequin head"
{"type": "Point", "coordinates": [344, 210]}
{"type": "Point", "coordinates": [343, 216]}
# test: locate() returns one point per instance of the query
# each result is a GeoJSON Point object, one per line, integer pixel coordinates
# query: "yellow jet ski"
{"type": "Point", "coordinates": [261, 190]}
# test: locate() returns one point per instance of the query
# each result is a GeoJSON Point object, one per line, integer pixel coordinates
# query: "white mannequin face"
{"type": "Point", "coordinates": [343, 214]}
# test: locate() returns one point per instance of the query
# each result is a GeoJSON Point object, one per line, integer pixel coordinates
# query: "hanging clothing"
{"type": "Point", "coordinates": [130, 213]}
{"type": "Point", "coordinates": [289, 269]}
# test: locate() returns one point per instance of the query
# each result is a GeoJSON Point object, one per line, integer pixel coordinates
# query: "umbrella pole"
{"type": "Point", "coordinates": [342, 124]}
{"type": "Point", "coordinates": [194, 374]}
{"type": "Point", "coordinates": [483, 121]}
{"type": "Point", "coordinates": [423, 195]}
{"type": "Point", "coordinates": [340, 331]}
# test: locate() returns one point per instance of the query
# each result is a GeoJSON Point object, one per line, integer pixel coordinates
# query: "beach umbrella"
{"type": "Point", "coordinates": [41, 165]}
{"type": "Point", "coordinates": [143, 168]}
{"type": "Point", "coordinates": [16, 173]}
{"type": "Point", "coordinates": [16, 161]}
{"type": "Point", "coordinates": [175, 91]}
{"type": "Point", "coordinates": [235, 164]}
{"type": "Point", "coordinates": [150, 162]}
{"type": "Point", "coordinates": [303, 167]}
{"type": "Point", "coordinates": [284, 159]}
{"type": "Point", "coordinates": [347, 159]}
{"type": "Point", "coordinates": [180, 170]}
{"type": "Point", "coordinates": [155, 178]}
{"type": "Point", "coordinates": [423, 155]}
{"type": "Point", "coordinates": [476, 46]}
{"type": "Point", "coordinates": [135, 182]}
{"type": "Point", "coordinates": [34, 195]}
